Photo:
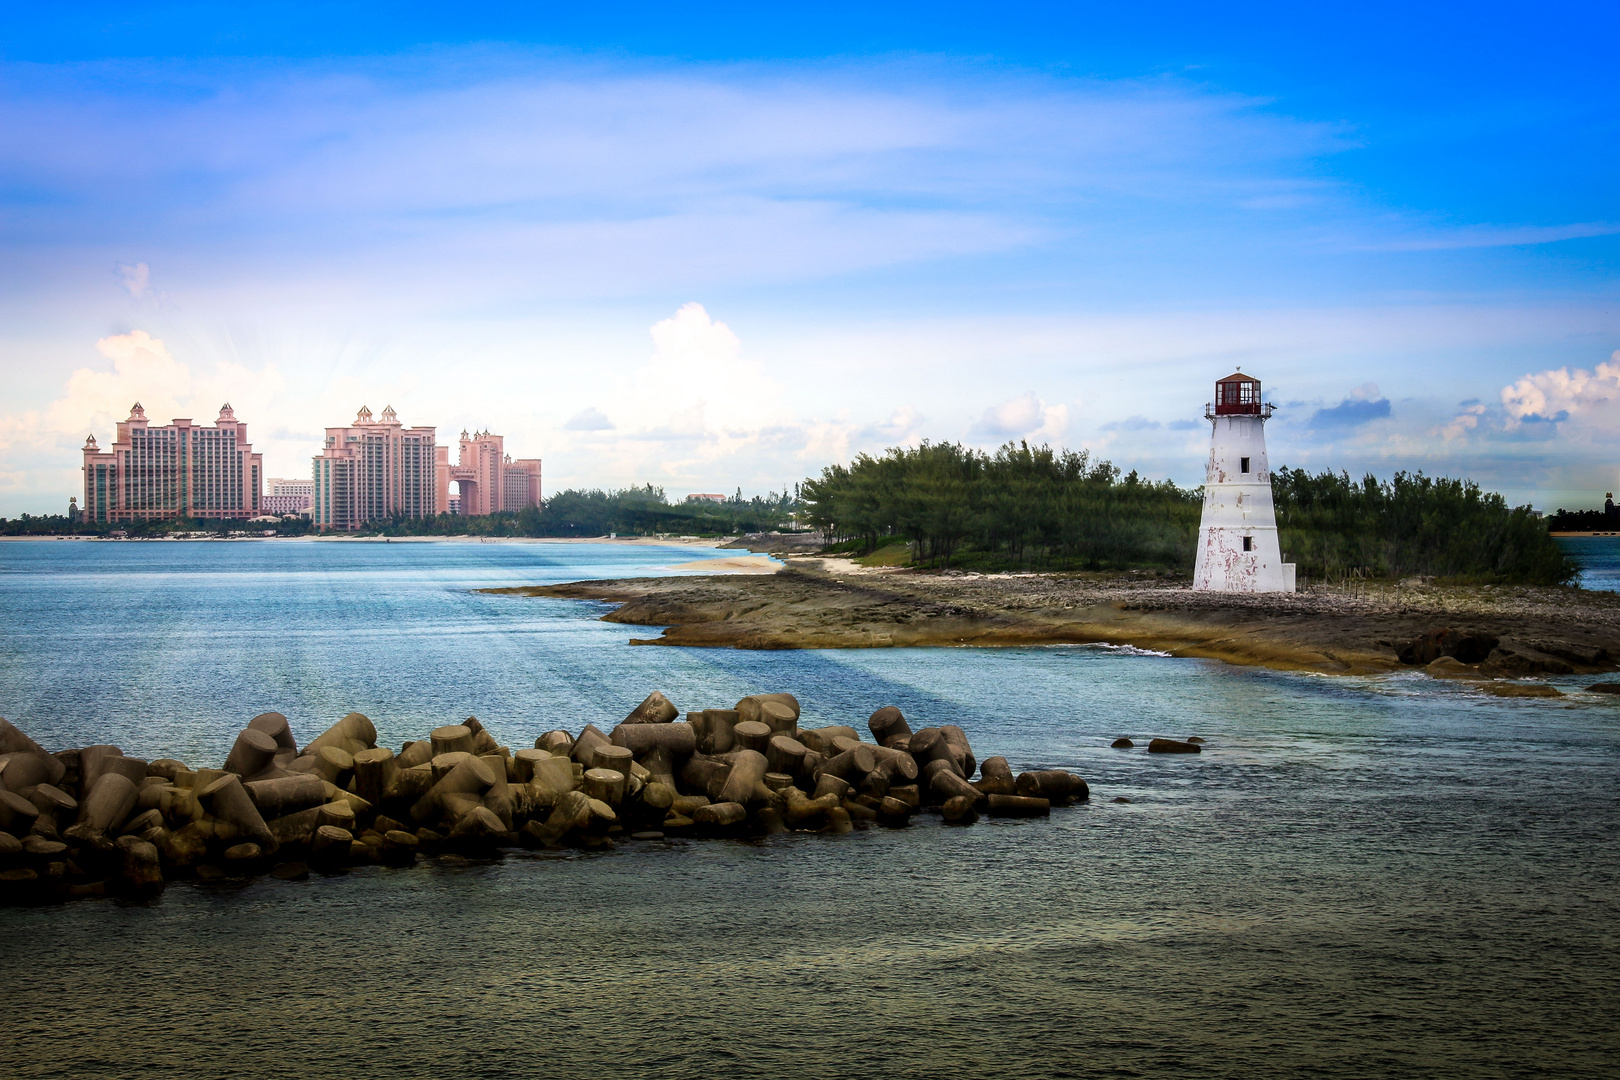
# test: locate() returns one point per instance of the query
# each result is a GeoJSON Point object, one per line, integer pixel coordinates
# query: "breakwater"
{"type": "Point", "coordinates": [92, 821]}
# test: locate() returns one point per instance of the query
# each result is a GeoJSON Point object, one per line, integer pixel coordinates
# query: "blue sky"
{"type": "Point", "coordinates": [717, 248]}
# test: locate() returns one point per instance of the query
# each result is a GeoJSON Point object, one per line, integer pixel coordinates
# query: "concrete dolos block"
{"type": "Point", "coordinates": [676, 738]}
{"type": "Point", "coordinates": [656, 709]}
{"type": "Point", "coordinates": [13, 741]}
{"type": "Point", "coordinates": [254, 752]}
{"type": "Point", "coordinates": [108, 803]}
{"type": "Point", "coordinates": [352, 734]}
{"type": "Point", "coordinates": [229, 801]}
{"type": "Point", "coordinates": [1054, 785]}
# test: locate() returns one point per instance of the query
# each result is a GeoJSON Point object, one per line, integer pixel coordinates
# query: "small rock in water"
{"type": "Point", "coordinates": [210, 873]}
{"type": "Point", "coordinates": [649, 835]}
{"type": "Point", "coordinates": [1122, 744]}
{"type": "Point", "coordinates": [1121, 798]}
{"type": "Point", "coordinates": [291, 871]}
{"type": "Point", "coordinates": [1172, 746]}
{"type": "Point", "coordinates": [1510, 689]}
{"type": "Point", "coordinates": [1195, 740]}
{"type": "Point", "coordinates": [1604, 688]}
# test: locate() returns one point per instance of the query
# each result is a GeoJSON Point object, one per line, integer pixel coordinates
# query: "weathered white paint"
{"type": "Point", "coordinates": [1237, 504]}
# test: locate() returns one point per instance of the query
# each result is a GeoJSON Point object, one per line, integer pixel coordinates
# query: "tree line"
{"type": "Point", "coordinates": [1039, 508]}
{"type": "Point", "coordinates": [634, 511]}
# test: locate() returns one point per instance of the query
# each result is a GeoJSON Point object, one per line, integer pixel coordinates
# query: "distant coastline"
{"type": "Point", "coordinates": [1358, 630]}
{"type": "Point", "coordinates": [645, 541]}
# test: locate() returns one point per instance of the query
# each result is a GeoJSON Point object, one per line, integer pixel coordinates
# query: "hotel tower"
{"type": "Point", "coordinates": [373, 470]}
{"type": "Point", "coordinates": [173, 470]}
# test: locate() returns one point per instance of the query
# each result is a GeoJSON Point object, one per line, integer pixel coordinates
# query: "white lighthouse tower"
{"type": "Point", "coordinates": [1237, 537]}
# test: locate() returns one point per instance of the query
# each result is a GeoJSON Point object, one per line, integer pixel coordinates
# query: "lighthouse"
{"type": "Point", "coordinates": [1237, 536]}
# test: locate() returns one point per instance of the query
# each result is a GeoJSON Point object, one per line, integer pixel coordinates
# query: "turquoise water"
{"type": "Point", "coordinates": [1360, 876]}
{"type": "Point", "coordinates": [1599, 557]}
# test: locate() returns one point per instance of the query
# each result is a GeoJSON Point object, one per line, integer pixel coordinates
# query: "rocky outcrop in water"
{"type": "Point", "coordinates": [92, 821]}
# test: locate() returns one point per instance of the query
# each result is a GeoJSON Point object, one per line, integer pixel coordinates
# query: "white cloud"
{"type": "Point", "coordinates": [1026, 417]}
{"type": "Point", "coordinates": [142, 371]}
{"type": "Point", "coordinates": [1591, 398]}
{"type": "Point", "coordinates": [589, 419]}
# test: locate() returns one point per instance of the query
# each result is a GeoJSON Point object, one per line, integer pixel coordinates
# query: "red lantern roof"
{"type": "Point", "coordinates": [1237, 395]}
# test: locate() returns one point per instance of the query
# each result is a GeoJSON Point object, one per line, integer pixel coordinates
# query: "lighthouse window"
{"type": "Point", "coordinates": [1243, 464]}
{"type": "Point", "coordinates": [1248, 543]}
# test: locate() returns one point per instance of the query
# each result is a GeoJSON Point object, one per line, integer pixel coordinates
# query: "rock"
{"type": "Point", "coordinates": [1588, 655]}
{"type": "Point", "coordinates": [1604, 688]}
{"type": "Point", "coordinates": [1449, 667]}
{"type": "Point", "coordinates": [1194, 739]}
{"type": "Point", "coordinates": [1511, 689]}
{"type": "Point", "coordinates": [291, 871]}
{"type": "Point", "coordinates": [1122, 744]}
{"type": "Point", "coordinates": [1470, 647]}
{"type": "Point", "coordinates": [650, 834]}
{"type": "Point", "coordinates": [1121, 799]}
{"type": "Point", "coordinates": [1506, 663]}
{"type": "Point", "coordinates": [656, 709]}
{"type": "Point", "coordinates": [10, 848]}
{"type": "Point", "coordinates": [1172, 746]}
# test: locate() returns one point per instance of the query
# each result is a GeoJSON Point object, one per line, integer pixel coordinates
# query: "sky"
{"type": "Point", "coordinates": [723, 247]}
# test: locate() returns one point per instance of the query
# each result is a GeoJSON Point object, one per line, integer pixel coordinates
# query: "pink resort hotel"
{"type": "Point", "coordinates": [372, 470]}
{"type": "Point", "coordinates": [378, 468]}
{"type": "Point", "coordinates": [172, 470]}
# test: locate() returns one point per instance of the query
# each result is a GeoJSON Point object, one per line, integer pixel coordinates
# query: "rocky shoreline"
{"type": "Point", "coordinates": [92, 821]}
{"type": "Point", "coordinates": [1360, 629]}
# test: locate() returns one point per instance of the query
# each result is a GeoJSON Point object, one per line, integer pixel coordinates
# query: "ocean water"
{"type": "Point", "coordinates": [1379, 876]}
{"type": "Point", "coordinates": [1599, 557]}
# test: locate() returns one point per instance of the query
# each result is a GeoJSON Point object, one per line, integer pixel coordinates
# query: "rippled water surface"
{"type": "Point", "coordinates": [1358, 877]}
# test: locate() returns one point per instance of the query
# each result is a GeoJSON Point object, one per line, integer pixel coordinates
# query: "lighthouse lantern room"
{"type": "Point", "coordinates": [1238, 549]}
